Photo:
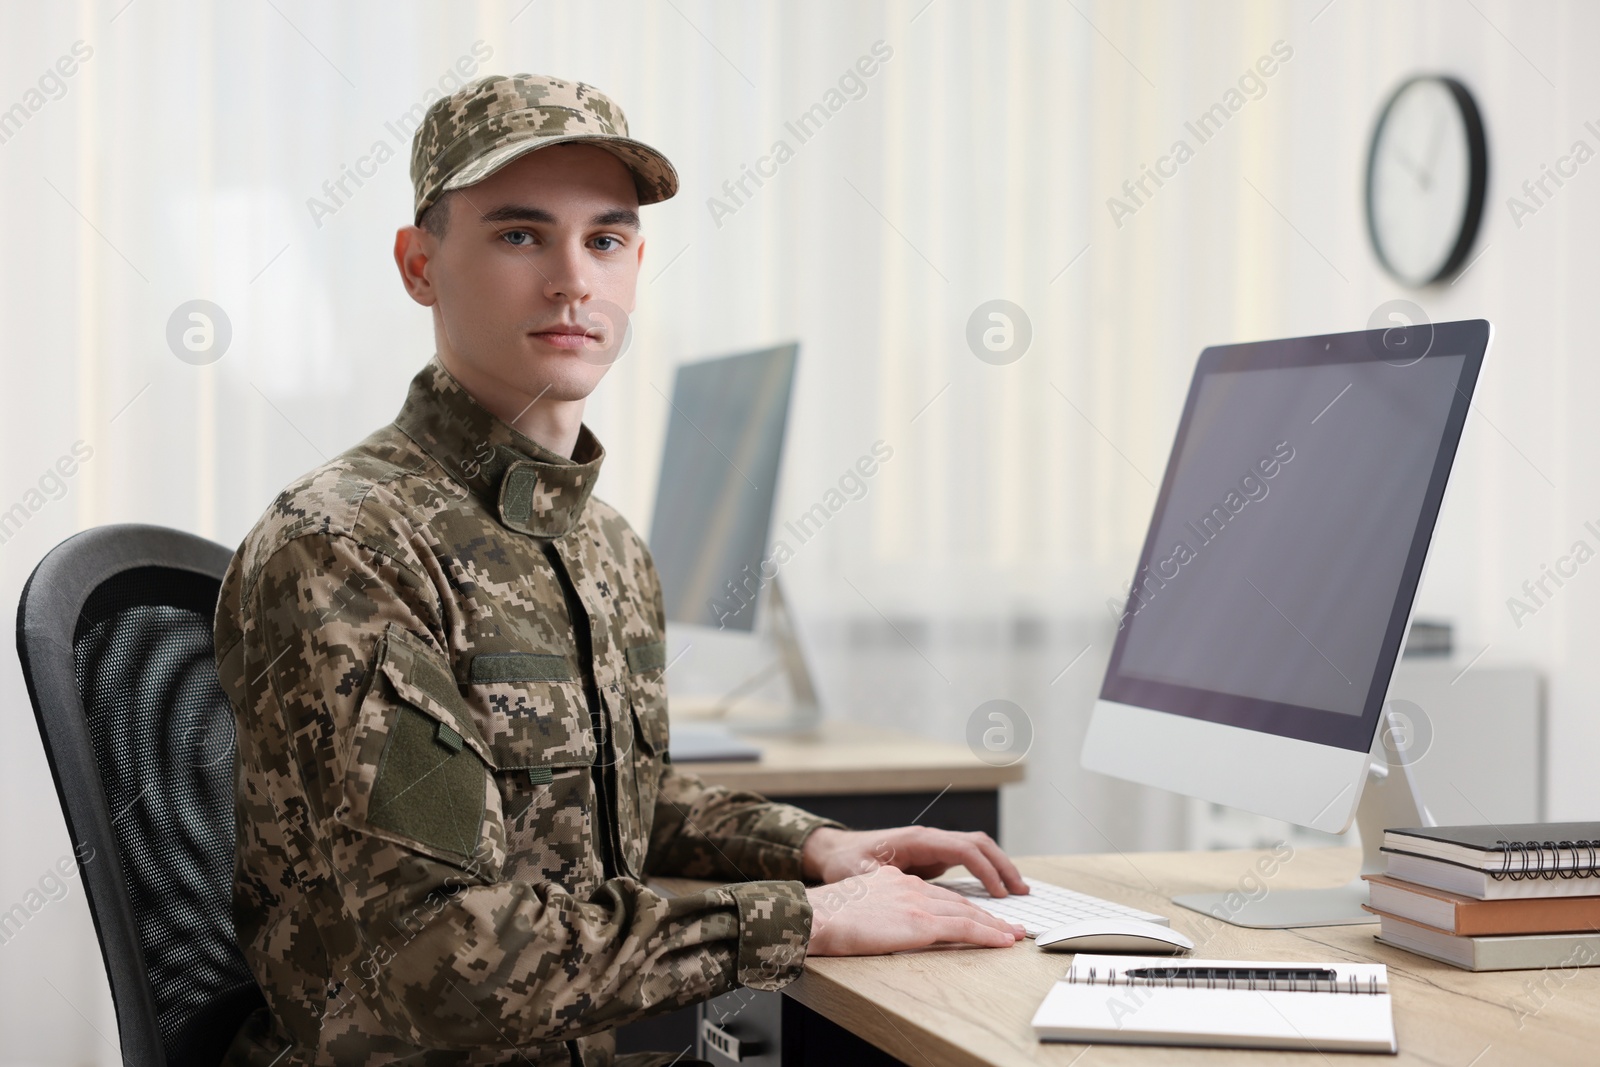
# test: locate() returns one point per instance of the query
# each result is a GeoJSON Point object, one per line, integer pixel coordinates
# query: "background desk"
{"type": "Point", "coordinates": [971, 1007]}
{"type": "Point", "coordinates": [868, 779]}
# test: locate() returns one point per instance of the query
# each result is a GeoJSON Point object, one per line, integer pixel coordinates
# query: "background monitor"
{"type": "Point", "coordinates": [1255, 647]}
{"type": "Point", "coordinates": [719, 473]}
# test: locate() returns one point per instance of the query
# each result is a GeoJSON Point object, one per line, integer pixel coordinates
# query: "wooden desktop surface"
{"type": "Point", "coordinates": [846, 757]}
{"type": "Point", "coordinates": [971, 1007]}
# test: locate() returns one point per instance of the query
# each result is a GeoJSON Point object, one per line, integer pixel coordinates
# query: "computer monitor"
{"type": "Point", "coordinates": [719, 471]}
{"type": "Point", "coordinates": [712, 526]}
{"type": "Point", "coordinates": [1255, 645]}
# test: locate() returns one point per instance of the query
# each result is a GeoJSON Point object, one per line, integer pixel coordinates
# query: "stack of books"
{"type": "Point", "coordinates": [1492, 898]}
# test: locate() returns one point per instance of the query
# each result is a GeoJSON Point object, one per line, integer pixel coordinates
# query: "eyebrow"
{"type": "Point", "coordinates": [523, 213]}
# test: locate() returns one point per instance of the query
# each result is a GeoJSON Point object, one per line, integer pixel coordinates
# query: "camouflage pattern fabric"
{"type": "Point", "coordinates": [445, 662]}
{"type": "Point", "coordinates": [475, 131]}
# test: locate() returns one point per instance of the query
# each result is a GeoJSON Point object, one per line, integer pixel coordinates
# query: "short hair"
{"type": "Point", "coordinates": [436, 219]}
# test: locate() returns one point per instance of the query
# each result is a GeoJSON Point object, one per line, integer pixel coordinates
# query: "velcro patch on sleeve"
{"type": "Point", "coordinates": [425, 790]}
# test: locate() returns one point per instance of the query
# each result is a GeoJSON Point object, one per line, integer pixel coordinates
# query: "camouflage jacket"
{"type": "Point", "coordinates": [445, 663]}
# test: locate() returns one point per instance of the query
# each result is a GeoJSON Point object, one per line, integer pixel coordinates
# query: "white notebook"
{"type": "Point", "coordinates": [1159, 1000]}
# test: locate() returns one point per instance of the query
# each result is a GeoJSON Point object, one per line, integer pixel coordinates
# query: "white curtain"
{"type": "Point", "coordinates": [255, 154]}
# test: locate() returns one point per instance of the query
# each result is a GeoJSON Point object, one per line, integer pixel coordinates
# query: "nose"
{"type": "Point", "coordinates": [566, 273]}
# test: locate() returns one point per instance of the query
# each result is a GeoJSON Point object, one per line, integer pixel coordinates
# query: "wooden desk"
{"type": "Point", "coordinates": [971, 1007]}
{"type": "Point", "coordinates": [869, 778]}
{"type": "Point", "coordinates": [849, 758]}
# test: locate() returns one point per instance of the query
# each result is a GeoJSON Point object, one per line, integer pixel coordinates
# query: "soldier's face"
{"type": "Point", "coordinates": [538, 264]}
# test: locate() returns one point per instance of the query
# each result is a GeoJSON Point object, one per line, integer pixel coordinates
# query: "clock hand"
{"type": "Point", "coordinates": [1416, 172]}
{"type": "Point", "coordinates": [1433, 150]}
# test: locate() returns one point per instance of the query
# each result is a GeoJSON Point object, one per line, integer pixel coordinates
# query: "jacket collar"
{"type": "Point", "coordinates": [532, 489]}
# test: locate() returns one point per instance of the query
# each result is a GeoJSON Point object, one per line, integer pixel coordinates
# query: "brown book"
{"type": "Point", "coordinates": [1464, 916]}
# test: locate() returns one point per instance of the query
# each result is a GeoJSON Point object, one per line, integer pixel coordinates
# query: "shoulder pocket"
{"type": "Point", "coordinates": [418, 772]}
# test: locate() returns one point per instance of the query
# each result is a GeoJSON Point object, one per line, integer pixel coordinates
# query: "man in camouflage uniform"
{"type": "Point", "coordinates": [445, 660]}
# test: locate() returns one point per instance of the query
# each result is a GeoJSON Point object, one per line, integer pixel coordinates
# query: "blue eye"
{"type": "Point", "coordinates": [615, 243]}
{"type": "Point", "coordinates": [517, 233]}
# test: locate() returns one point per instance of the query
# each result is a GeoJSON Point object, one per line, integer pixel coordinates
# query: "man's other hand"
{"type": "Point", "coordinates": [889, 910]}
{"type": "Point", "coordinates": [831, 855]}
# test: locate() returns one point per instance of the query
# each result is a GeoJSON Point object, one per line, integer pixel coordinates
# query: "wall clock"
{"type": "Point", "coordinates": [1427, 173]}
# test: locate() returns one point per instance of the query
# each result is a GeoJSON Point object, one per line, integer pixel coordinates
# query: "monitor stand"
{"type": "Point", "coordinates": [801, 714]}
{"type": "Point", "coordinates": [805, 712]}
{"type": "Point", "coordinates": [1391, 799]}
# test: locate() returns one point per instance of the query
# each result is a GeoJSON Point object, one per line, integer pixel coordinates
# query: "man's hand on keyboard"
{"type": "Point", "coordinates": [888, 910]}
{"type": "Point", "coordinates": [831, 855]}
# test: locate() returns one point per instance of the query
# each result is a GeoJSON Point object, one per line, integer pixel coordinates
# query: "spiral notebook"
{"type": "Point", "coordinates": [1560, 859]}
{"type": "Point", "coordinates": [1522, 850]}
{"type": "Point", "coordinates": [1156, 1000]}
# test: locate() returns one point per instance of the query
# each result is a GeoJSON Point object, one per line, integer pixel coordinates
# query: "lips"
{"type": "Point", "coordinates": [566, 336]}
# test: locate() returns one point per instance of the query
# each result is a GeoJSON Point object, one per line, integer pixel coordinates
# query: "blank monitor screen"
{"type": "Point", "coordinates": [1290, 531]}
{"type": "Point", "coordinates": [718, 475]}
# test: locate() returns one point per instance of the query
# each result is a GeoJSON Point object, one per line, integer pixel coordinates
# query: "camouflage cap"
{"type": "Point", "coordinates": [472, 133]}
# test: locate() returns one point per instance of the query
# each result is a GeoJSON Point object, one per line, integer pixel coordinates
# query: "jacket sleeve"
{"type": "Point", "coordinates": [384, 788]}
{"type": "Point", "coordinates": [715, 832]}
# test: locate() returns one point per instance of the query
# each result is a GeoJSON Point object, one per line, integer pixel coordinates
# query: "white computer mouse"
{"type": "Point", "coordinates": [1114, 935]}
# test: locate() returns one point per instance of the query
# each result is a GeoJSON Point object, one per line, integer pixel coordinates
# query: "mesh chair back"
{"type": "Point", "coordinates": [114, 630]}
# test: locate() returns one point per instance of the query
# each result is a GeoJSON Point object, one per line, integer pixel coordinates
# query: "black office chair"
{"type": "Point", "coordinates": [114, 631]}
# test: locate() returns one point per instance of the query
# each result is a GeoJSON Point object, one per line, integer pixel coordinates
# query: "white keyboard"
{"type": "Point", "coordinates": [1046, 906]}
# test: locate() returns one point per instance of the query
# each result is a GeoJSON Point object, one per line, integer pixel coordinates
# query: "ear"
{"type": "Point", "coordinates": [414, 249]}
